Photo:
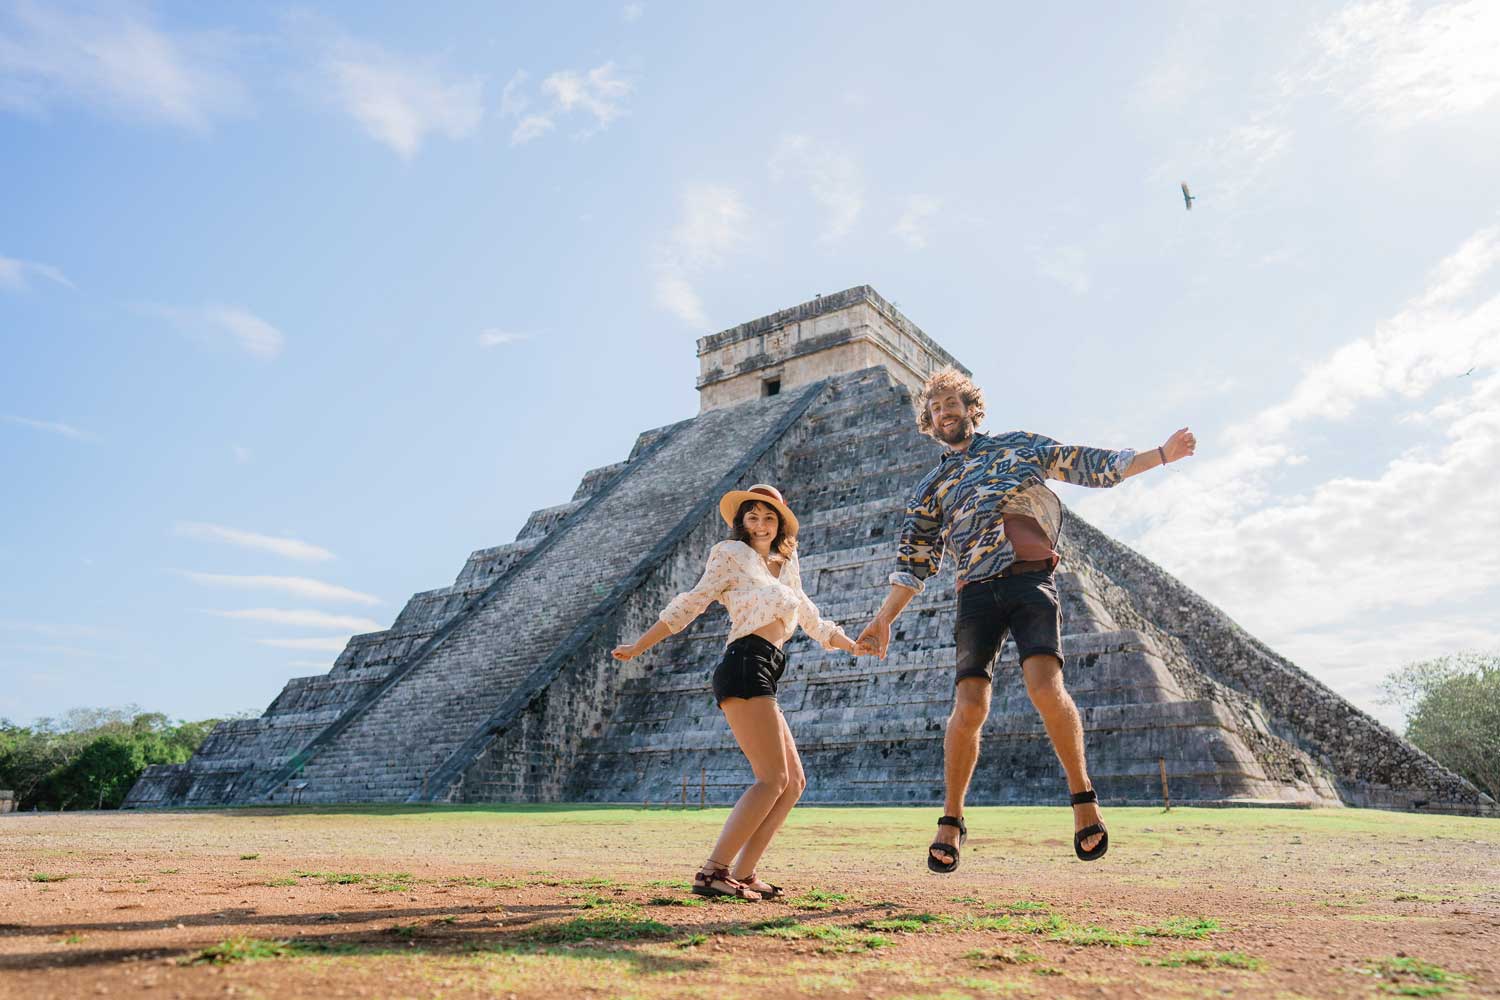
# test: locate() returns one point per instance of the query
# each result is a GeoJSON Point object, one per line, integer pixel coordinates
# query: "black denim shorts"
{"type": "Point", "coordinates": [1025, 604]}
{"type": "Point", "coordinates": [750, 669]}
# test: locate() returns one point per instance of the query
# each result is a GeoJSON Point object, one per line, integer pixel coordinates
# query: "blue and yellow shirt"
{"type": "Point", "coordinates": [959, 506]}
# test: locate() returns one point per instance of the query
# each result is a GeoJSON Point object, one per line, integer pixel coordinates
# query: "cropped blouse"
{"type": "Point", "coordinates": [737, 578]}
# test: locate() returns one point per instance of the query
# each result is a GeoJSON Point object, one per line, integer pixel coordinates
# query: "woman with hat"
{"type": "Point", "coordinates": [756, 576]}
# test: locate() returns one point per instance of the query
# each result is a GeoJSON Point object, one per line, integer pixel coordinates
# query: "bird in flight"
{"type": "Point", "coordinates": [1469, 372]}
{"type": "Point", "coordinates": [1187, 199]}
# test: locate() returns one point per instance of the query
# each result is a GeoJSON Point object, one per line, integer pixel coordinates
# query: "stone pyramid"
{"type": "Point", "coordinates": [501, 688]}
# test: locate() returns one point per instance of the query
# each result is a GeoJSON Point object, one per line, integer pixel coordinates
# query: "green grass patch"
{"type": "Point", "coordinates": [1195, 928]}
{"type": "Point", "coordinates": [817, 899]}
{"type": "Point", "coordinates": [1056, 928]}
{"type": "Point", "coordinates": [1022, 906]}
{"type": "Point", "coordinates": [474, 882]}
{"type": "Point", "coordinates": [667, 883]}
{"type": "Point", "coordinates": [1207, 960]}
{"type": "Point", "coordinates": [169, 871]}
{"type": "Point", "coordinates": [407, 931]}
{"type": "Point", "coordinates": [599, 928]}
{"type": "Point", "coordinates": [374, 881]}
{"type": "Point", "coordinates": [692, 941]}
{"type": "Point", "coordinates": [277, 883]}
{"type": "Point", "coordinates": [72, 939]}
{"type": "Point", "coordinates": [1412, 977]}
{"type": "Point", "coordinates": [831, 939]}
{"type": "Point", "coordinates": [965, 899]}
{"type": "Point", "coordinates": [45, 877]}
{"type": "Point", "coordinates": [249, 857]}
{"type": "Point", "coordinates": [674, 901]}
{"type": "Point", "coordinates": [249, 949]}
{"type": "Point", "coordinates": [911, 924]}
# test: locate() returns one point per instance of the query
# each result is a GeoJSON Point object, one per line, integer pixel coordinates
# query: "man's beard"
{"type": "Point", "coordinates": [962, 431]}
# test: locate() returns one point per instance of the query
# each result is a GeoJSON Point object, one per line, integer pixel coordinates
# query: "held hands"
{"type": "Point", "coordinates": [874, 640]}
{"type": "Point", "coordinates": [1181, 444]}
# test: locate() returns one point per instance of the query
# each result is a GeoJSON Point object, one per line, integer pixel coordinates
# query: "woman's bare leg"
{"type": "Point", "coordinates": [751, 853]}
{"type": "Point", "coordinates": [756, 724]}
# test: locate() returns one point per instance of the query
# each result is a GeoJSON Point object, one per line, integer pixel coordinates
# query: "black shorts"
{"type": "Point", "coordinates": [750, 669]}
{"type": "Point", "coordinates": [1025, 604]}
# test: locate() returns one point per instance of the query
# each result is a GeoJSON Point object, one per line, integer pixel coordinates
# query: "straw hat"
{"type": "Point", "coordinates": [768, 495]}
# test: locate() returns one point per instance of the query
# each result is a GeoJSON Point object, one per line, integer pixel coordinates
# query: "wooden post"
{"type": "Point", "coordinates": [703, 788]}
{"type": "Point", "coordinates": [684, 791]}
{"type": "Point", "coordinates": [1166, 798]}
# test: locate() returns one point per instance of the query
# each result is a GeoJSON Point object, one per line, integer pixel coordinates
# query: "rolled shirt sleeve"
{"type": "Point", "coordinates": [682, 609]}
{"type": "Point", "coordinates": [1083, 466]}
{"type": "Point", "coordinates": [919, 551]}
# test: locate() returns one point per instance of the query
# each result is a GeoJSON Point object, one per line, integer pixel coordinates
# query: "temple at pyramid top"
{"type": "Point", "coordinates": [844, 332]}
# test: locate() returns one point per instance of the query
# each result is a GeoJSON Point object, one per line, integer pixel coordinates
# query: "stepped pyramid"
{"type": "Point", "coordinates": [500, 687]}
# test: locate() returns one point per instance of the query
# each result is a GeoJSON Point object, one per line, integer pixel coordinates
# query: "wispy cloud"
{"type": "Point", "coordinates": [1401, 64]}
{"type": "Point", "coordinates": [633, 11]}
{"type": "Point", "coordinates": [291, 548]}
{"type": "Point", "coordinates": [499, 338]}
{"type": "Point", "coordinates": [912, 226]}
{"type": "Point", "coordinates": [833, 179]}
{"type": "Point", "coordinates": [114, 59]}
{"type": "Point", "coordinates": [711, 223]}
{"type": "Point", "coordinates": [1286, 562]}
{"type": "Point", "coordinates": [242, 455]}
{"type": "Point", "coordinates": [220, 324]}
{"type": "Point", "coordinates": [301, 586]}
{"type": "Point", "coordinates": [299, 618]}
{"type": "Point", "coordinates": [51, 427]}
{"type": "Point", "coordinates": [1067, 265]}
{"type": "Point", "coordinates": [596, 97]}
{"type": "Point", "coordinates": [332, 644]}
{"type": "Point", "coordinates": [400, 100]}
{"type": "Point", "coordinates": [16, 275]}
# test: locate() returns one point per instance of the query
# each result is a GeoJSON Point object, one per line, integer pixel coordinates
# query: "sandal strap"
{"type": "Point", "coordinates": [1080, 798]}
{"type": "Point", "coordinates": [1089, 831]}
{"type": "Point", "coordinates": [957, 821]}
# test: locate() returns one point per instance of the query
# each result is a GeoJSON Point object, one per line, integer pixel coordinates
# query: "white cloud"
{"type": "Point", "coordinates": [711, 224]}
{"type": "Point", "coordinates": [332, 644]}
{"type": "Point", "coordinates": [115, 59]}
{"type": "Point", "coordinates": [51, 427]}
{"type": "Point", "coordinates": [300, 618]}
{"type": "Point", "coordinates": [226, 324]}
{"type": "Point", "coordinates": [1341, 554]}
{"type": "Point", "coordinates": [912, 226]}
{"type": "Point", "coordinates": [1401, 64]}
{"type": "Point", "coordinates": [16, 275]}
{"type": "Point", "coordinates": [633, 11]}
{"type": "Point", "coordinates": [301, 586]}
{"type": "Point", "coordinates": [598, 94]}
{"type": "Point", "coordinates": [833, 178]}
{"type": "Point", "coordinates": [55, 630]}
{"type": "Point", "coordinates": [242, 455]}
{"type": "Point", "coordinates": [499, 338]}
{"type": "Point", "coordinates": [290, 548]}
{"type": "Point", "coordinates": [400, 101]}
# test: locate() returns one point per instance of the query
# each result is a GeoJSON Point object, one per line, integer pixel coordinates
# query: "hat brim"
{"type": "Point", "coordinates": [730, 504]}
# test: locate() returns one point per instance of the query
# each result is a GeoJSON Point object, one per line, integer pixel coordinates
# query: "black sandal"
{"type": "Point", "coordinates": [1082, 798]}
{"type": "Point", "coordinates": [775, 893]}
{"type": "Point", "coordinates": [943, 868]}
{"type": "Point", "coordinates": [703, 885]}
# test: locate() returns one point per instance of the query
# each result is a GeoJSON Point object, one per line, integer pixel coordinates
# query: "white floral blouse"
{"type": "Point", "coordinates": [738, 578]}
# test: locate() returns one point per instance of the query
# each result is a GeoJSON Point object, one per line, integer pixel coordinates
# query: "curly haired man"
{"type": "Point", "coordinates": [987, 506]}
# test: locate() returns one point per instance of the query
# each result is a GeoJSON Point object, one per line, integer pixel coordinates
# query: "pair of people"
{"type": "Point", "coordinates": [986, 505]}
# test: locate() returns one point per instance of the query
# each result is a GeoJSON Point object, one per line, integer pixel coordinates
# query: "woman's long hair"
{"type": "Point", "coordinates": [783, 546]}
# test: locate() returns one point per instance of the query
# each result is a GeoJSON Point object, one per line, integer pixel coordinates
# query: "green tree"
{"type": "Point", "coordinates": [1452, 707]}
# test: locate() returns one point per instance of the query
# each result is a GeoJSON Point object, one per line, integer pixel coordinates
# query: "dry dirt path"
{"type": "Point", "coordinates": [591, 902]}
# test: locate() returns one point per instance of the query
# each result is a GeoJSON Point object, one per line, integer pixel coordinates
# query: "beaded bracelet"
{"type": "Point", "coordinates": [1162, 454]}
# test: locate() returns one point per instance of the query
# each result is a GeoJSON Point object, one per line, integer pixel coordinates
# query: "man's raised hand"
{"type": "Point", "coordinates": [1181, 444]}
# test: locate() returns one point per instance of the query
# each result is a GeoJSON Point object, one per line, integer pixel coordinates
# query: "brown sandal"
{"type": "Point", "coordinates": [703, 885]}
{"type": "Point", "coordinates": [775, 893]}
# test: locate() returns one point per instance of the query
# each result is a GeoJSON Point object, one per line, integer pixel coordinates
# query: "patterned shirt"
{"type": "Point", "coordinates": [960, 505]}
{"type": "Point", "coordinates": [736, 576]}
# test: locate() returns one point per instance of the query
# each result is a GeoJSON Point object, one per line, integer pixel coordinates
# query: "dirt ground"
{"type": "Point", "coordinates": [592, 902]}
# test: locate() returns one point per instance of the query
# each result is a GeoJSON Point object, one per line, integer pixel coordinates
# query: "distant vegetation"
{"type": "Point", "coordinates": [1452, 709]}
{"type": "Point", "coordinates": [90, 757]}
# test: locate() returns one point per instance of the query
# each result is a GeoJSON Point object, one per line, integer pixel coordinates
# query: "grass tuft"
{"type": "Point", "coordinates": [674, 901]}
{"type": "Point", "coordinates": [249, 857]}
{"type": "Point", "coordinates": [994, 959]}
{"type": "Point", "coordinates": [1207, 960]}
{"type": "Point", "coordinates": [833, 940]}
{"type": "Point", "coordinates": [914, 923]}
{"type": "Point", "coordinates": [600, 928]}
{"type": "Point", "coordinates": [45, 877]}
{"type": "Point", "coordinates": [1196, 928]}
{"type": "Point", "coordinates": [1413, 977]}
{"type": "Point", "coordinates": [816, 899]}
{"type": "Point", "coordinates": [374, 881]}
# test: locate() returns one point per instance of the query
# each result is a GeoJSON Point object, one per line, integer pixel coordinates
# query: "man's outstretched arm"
{"type": "Point", "coordinates": [1180, 445]}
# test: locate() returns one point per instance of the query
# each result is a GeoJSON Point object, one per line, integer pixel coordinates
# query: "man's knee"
{"type": "Point", "coordinates": [1044, 681]}
{"type": "Point", "coordinates": [775, 781]}
{"type": "Point", "coordinates": [797, 784]}
{"type": "Point", "coordinates": [971, 704]}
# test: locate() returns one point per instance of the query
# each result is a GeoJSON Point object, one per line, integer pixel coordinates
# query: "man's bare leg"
{"type": "Point", "coordinates": [1044, 683]}
{"type": "Point", "coordinates": [971, 706]}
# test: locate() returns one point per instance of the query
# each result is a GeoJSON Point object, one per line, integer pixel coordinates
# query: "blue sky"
{"type": "Point", "coordinates": [299, 305]}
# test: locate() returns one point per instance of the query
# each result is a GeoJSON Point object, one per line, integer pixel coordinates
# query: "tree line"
{"type": "Point", "coordinates": [90, 758]}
